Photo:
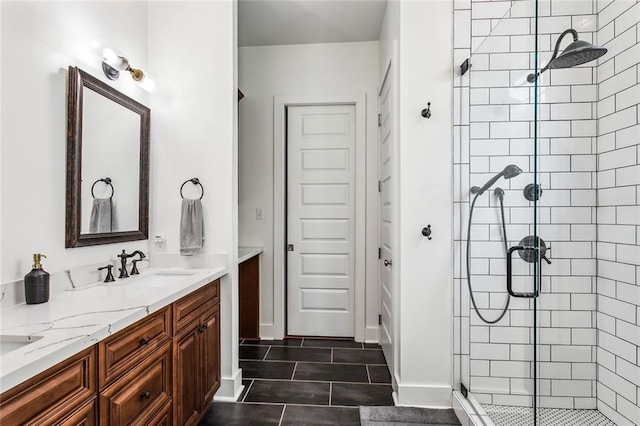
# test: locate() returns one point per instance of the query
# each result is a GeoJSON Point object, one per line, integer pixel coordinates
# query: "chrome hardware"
{"type": "Point", "coordinates": [388, 263]}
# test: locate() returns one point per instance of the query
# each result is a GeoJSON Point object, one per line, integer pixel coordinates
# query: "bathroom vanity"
{"type": "Point", "coordinates": [154, 360]}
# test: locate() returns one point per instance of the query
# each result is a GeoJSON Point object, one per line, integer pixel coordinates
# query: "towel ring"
{"type": "Point", "coordinates": [107, 181]}
{"type": "Point", "coordinates": [194, 181]}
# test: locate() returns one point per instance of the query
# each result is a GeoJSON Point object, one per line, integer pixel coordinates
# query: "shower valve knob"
{"type": "Point", "coordinates": [426, 231]}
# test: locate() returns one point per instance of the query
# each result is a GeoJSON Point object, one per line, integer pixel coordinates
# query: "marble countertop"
{"type": "Point", "coordinates": [246, 253]}
{"type": "Point", "coordinates": [74, 320]}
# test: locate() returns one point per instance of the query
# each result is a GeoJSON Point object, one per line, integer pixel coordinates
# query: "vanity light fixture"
{"type": "Point", "coordinates": [113, 63]}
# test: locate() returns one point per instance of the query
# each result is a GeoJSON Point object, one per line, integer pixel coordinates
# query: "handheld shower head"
{"type": "Point", "coordinates": [509, 172]}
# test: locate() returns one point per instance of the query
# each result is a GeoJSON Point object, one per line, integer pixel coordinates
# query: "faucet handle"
{"type": "Point", "coordinates": [109, 278]}
{"type": "Point", "coordinates": [134, 268]}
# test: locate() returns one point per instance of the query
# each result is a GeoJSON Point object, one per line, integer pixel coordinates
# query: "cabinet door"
{"type": "Point", "coordinates": [186, 376]}
{"type": "Point", "coordinates": [249, 304]}
{"type": "Point", "coordinates": [210, 350]}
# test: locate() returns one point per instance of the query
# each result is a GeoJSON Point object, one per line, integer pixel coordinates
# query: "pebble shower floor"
{"type": "Point", "coordinates": [503, 415]}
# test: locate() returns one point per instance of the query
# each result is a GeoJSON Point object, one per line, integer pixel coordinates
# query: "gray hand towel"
{"type": "Point", "coordinates": [101, 216]}
{"type": "Point", "coordinates": [191, 227]}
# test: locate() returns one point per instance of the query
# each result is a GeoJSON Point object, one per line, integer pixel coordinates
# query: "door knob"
{"type": "Point", "coordinates": [388, 262]}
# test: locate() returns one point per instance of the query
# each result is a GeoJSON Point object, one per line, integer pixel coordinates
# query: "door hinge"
{"type": "Point", "coordinates": [379, 319]}
{"type": "Point", "coordinates": [379, 186]}
{"type": "Point", "coordinates": [379, 120]}
{"type": "Point", "coordinates": [289, 247]}
{"type": "Point", "coordinates": [379, 253]}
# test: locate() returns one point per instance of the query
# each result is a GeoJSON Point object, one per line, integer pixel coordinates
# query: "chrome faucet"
{"type": "Point", "coordinates": [123, 263]}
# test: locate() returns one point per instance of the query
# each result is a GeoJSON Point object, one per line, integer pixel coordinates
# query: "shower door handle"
{"type": "Point", "coordinates": [510, 275]}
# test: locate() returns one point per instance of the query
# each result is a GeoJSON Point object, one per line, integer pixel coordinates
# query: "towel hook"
{"type": "Point", "coordinates": [107, 181]}
{"type": "Point", "coordinates": [426, 113]}
{"type": "Point", "coordinates": [194, 181]}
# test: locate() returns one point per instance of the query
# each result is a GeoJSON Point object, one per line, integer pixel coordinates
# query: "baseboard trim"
{"type": "Point", "coordinates": [423, 396]}
{"type": "Point", "coordinates": [267, 332]}
{"type": "Point", "coordinates": [230, 388]}
{"type": "Point", "coordinates": [371, 334]}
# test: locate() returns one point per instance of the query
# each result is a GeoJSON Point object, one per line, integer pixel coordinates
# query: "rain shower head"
{"type": "Point", "coordinates": [577, 53]}
{"type": "Point", "coordinates": [509, 172]}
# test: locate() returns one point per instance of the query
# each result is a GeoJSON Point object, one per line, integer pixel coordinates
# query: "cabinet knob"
{"type": "Point", "coordinates": [144, 341]}
{"type": "Point", "coordinates": [145, 395]}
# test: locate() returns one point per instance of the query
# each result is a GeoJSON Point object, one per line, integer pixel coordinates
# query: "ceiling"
{"type": "Point", "coordinates": [275, 22]}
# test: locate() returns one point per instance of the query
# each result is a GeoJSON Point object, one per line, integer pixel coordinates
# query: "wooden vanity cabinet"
{"type": "Point", "coordinates": [63, 394]}
{"type": "Point", "coordinates": [249, 294]}
{"type": "Point", "coordinates": [161, 371]}
{"type": "Point", "coordinates": [196, 354]}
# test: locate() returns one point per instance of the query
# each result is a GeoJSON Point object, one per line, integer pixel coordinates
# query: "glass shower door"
{"type": "Point", "coordinates": [499, 248]}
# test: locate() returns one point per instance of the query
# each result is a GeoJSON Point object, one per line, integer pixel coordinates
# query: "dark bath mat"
{"type": "Point", "coordinates": [397, 416]}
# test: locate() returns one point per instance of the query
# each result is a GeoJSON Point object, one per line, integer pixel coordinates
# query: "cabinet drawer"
{"type": "Point", "coordinates": [189, 308]}
{"type": "Point", "coordinates": [140, 394]}
{"type": "Point", "coordinates": [83, 416]}
{"type": "Point", "coordinates": [163, 418]}
{"type": "Point", "coordinates": [128, 347]}
{"type": "Point", "coordinates": [51, 395]}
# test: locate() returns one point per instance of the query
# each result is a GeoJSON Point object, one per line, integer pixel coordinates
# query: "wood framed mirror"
{"type": "Point", "coordinates": [107, 197]}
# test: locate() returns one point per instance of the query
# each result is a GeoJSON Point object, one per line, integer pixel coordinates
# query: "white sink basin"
{"type": "Point", "coordinates": [158, 279]}
{"type": "Point", "coordinates": [9, 343]}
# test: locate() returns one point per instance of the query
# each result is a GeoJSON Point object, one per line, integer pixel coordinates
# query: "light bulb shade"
{"type": "Point", "coordinates": [577, 53]}
{"type": "Point", "coordinates": [147, 83]}
{"type": "Point", "coordinates": [114, 60]}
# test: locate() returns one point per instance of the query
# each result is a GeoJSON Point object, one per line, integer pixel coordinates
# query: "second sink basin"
{"type": "Point", "coordinates": [9, 343]}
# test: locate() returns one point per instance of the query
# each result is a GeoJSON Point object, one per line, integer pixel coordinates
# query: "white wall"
{"type": "Point", "coordinates": [188, 47]}
{"type": "Point", "coordinates": [39, 42]}
{"type": "Point", "coordinates": [191, 51]}
{"type": "Point", "coordinates": [618, 149]}
{"type": "Point", "coordinates": [425, 197]}
{"type": "Point", "coordinates": [423, 342]}
{"type": "Point", "coordinates": [265, 72]}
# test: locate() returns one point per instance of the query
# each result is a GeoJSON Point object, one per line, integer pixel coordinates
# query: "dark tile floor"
{"type": "Point", "coordinates": [305, 382]}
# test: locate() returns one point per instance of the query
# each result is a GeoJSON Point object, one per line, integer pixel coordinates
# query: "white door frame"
{"type": "Point", "coordinates": [279, 201]}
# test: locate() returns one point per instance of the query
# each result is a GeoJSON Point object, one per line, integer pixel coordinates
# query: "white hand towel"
{"type": "Point", "coordinates": [191, 227]}
{"type": "Point", "coordinates": [101, 216]}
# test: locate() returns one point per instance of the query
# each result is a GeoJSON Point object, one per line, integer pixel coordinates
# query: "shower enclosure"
{"type": "Point", "coordinates": [547, 205]}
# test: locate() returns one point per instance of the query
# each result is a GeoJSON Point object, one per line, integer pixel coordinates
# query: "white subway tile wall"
{"type": "Point", "coordinates": [618, 149]}
{"type": "Point", "coordinates": [589, 213]}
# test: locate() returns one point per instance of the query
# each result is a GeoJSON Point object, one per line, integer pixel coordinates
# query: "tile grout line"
{"type": "Point", "coordinates": [264, 358]}
{"type": "Point", "coordinates": [247, 392]}
{"type": "Point", "coordinates": [282, 414]}
{"type": "Point", "coordinates": [331, 356]}
{"type": "Point", "coordinates": [330, 392]}
{"type": "Point", "coordinates": [293, 373]}
{"type": "Point", "coordinates": [368, 375]}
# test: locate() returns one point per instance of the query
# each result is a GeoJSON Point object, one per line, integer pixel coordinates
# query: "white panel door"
{"type": "Point", "coordinates": [386, 175]}
{"type": "Point", "coordinates": [320, 216]}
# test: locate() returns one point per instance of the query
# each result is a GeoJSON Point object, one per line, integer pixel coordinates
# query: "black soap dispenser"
{"type": "Point", "coordinates": [36, 282]}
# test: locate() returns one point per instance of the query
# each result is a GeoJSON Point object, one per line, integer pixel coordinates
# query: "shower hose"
{"type": "Point", "coordinates": [504, 238]}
